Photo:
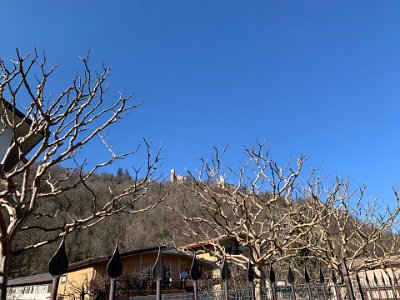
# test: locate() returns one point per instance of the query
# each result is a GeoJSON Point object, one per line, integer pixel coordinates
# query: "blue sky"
{"type": "Point", "coordinates": [312, 77]}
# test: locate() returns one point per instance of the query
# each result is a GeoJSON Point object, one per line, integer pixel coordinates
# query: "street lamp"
{"type": "Point", "coordinates": [7, 135]}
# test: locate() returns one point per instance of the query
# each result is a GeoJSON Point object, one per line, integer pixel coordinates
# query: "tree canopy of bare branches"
{"type": "Point", "coordinates": [282, 214]}
{"type": "Point", "coordinates": [79, 114]}
{"type": "Point", "coordinates": [255, 205]}
{"type": "Point", "coordinates": [355, 233]}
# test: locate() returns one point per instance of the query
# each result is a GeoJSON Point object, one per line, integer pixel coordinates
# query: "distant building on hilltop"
{"type": "Point", "coordinates": [176, 178]}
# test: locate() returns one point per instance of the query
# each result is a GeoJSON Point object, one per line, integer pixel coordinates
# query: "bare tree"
{"type": "Point", "coordinates": [79, 291]}
{"type": "Point", "coordinates": [139, 283]}
{"type": "Point", "coordinates": [256, 205]}
{"type": "Point", "coordinates": [285, 215]}
{"type": "Point", "coordinates": [355, 232]}
{"type": "Point", "coordinates": [100, 288]}
{"type": "Point", "coordinates": [65, 124]}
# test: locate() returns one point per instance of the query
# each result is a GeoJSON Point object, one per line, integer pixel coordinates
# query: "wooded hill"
{"type": "Point", "coordinates": [152, 228]}
{"type": "Point", "coordinates": [315, 231]}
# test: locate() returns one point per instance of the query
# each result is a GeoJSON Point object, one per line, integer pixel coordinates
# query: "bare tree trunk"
{"type": "Point", "coordinates": [4, 263]}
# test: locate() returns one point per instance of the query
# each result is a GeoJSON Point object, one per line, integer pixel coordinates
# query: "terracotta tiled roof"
{"type": "Point", "coordinates": [212, 241]}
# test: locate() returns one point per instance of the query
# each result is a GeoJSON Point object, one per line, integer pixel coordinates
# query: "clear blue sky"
{"type": "Point", "coordinates": [315, 77]}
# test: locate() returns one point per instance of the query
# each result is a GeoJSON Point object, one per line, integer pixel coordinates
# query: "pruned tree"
{"type": "Point", "coordinates": [355, 233]}
{"type": "Point", "coordinates": [60, 126]}
{"type": "Point", "coordinates": [287, 216]}
{"type": "Point", "coordinates": [257, 205]}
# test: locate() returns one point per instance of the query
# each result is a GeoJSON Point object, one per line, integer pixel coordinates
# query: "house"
{"type": "Point", "coordinates": [36, 287]}
{"type": "Point", "coordinates": [88, 279]}
{"type": "Point", "coordinates": [204, 249]}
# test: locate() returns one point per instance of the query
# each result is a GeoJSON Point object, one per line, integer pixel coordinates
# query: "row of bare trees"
{"type": "Point", "coordinates": [284, 213]}
{"type": "Point", "coordinates": [275, 213]}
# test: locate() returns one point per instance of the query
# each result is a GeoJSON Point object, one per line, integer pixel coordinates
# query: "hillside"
{"type": "Point", "coordinates": [163, 226]}
{"type": "Point", "coordinates": [154, 227]}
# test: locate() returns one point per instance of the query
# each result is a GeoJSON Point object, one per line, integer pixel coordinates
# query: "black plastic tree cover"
{"type": "Point", "coordinates": [334, 279]}
{"type": "Point", "coordinates": [250, 272]}
{"type": "Point", "coordinates": [290, 276]}
{"type": "Point", "coordinates": [195, 272]}
{"type": "Point", "coordinates": [306, 276]}
{"type": "Point", "coordinates": [272, 278]}
{"type": "Point", "coordinates": [225, 272]}
{"type": "Point", "coordinates": [321, 275]}
{"type": "Point", "coordinates": [58, 264]}
{"type": "Point", "coordinates": [159, 272]}
{"type": "Point", "coordinates": [114, 266]}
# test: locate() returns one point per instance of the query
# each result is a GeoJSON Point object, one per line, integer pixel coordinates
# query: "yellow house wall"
{"type": "Point", "coordinates": [71, 283]}
{"type": "Point", "coordinates": [74, 281]}
{"type": "Point", "coordinates": [207, 256]}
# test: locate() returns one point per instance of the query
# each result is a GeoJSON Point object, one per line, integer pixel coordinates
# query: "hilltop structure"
{"type": "Point", "coordinates": [173, 178]}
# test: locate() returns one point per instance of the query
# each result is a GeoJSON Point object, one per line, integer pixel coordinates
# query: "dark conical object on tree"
{"type": "Point", "coordinates": [321, 275]}
{"type": "Point", "coordinates": [334, 279]}
{"type": "Point", "coordinates": [306, 276]}
{"type": "Point", "coordinates": [290, 276]}
{"type": "Point", "coordinates": [272, 278]}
